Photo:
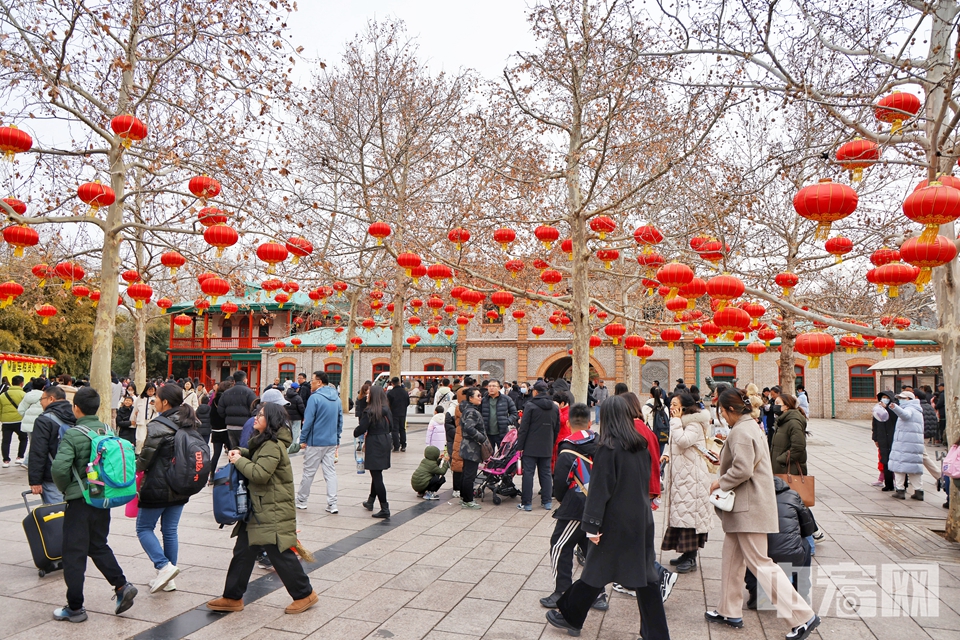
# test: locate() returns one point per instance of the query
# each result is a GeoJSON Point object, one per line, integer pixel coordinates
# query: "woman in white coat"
{"type": "Point", "coordinates": [190, 397]}
{"type": "Point", "coordinates": [906, 454]}
{"type": "Point", "coordinates": [689, 513]}
{"type": "Point", "coordinates": [143, 412]}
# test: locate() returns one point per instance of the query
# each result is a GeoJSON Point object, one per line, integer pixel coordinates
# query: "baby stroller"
{"type": "Point", "coordinates": [497, 473]}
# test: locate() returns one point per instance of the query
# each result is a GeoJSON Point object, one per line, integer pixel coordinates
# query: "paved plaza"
{"type": "Point", "coordinates": [437, 572]}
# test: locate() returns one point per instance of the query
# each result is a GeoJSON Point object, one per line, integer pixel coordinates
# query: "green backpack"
{"type": "Point", "coordinates": [111, 472]}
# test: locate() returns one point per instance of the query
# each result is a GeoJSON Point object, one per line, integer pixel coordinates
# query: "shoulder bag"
{"type": "Point", "coordinates": [802, 484]}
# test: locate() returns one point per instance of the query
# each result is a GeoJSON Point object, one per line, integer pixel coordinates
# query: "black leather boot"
{"type": "Point", "coordinates": [384, 511]}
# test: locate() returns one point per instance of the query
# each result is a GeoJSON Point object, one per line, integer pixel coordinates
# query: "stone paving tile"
{"type": "Point", "coordinates": [379, 605]}
{"type": "Point", "coordinates": [513, 630]}
{"type": "Point", "coordinates": [358, 586]}
{"type": "Point", "coordinates": [313, 618]}
{"type": "Point", "coordinates": [243, 623]}
{"type": "Point", "coordinates": [97, 627]}
{"type": "Point", "coordinates": [470, 570]}
{"type": "Point", "coordinates": [275, 635]}
{"type": "Point", "coordinates": [280, 598]}
{"type": "Point", "coordinates": [524, 606]}
{"type": "Point", "coordinates": [521, 562]}
{"type": "Point", "coordinates": [441, 595]}
{"type": "Point", "coordinates": [471, 617]}
{"type": "Point", "coordinates": [343, 629]}
{"type": "Point", "coordinates": [416, 578]}
{"type": "Point", "coordinates": [498, 586]}
{"type": "Point", "coordinates": [395, 562]}
{"type": "Point", "coordinates": [408, 624]}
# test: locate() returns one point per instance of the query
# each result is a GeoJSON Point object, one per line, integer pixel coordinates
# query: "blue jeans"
{"type": "Point", "coordinates": [51, 495]}
{"type": "Point", "coordinates": [169, 518]}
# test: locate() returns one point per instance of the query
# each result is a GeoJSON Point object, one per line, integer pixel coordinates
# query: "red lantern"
{"type": "Point", "coordinates": [228, 308]}
{"type": "Point", "coordinates": [670, 336]}
{"type": "Point", "coordinates": [895, 108]}
{"type": "Point", "coordinates": [129, 129]}
{"type": "Point", "coordinates": [787, 280]}
{"type": "Point", "coordinates": [825, 203]}
{"type": "Point", "coordinates": [449, 309]}
{"type": "Point", "coordinates": [95, 299]}
{"type": "Point", "coordinates": [537, 332]}
{"type": "Point", "coordinates": [928, 256]}
{"type": "Point", "coordinates": [615, 331]}
{"type": "Point", "coordinates": [433, 331]}
{"type": "Point", "coordinates": [504, 236]}
{"type": "Point", "coordinates": [458, 236]}
{"type": "Point", "coordinates": [633, 342]}
{"type": "Point", "coordinates": [519, 315]}
{"type": "Point", "coordinates": [945, 179]}
{"type": "Point", "coordinates": [408, 261]}
{"type": "Point", "coordinates": [595, 342]}
{"type": "Point", "coordinates": [412, 341]}
{"type": "Point", "coordinates": [711, 330]}
{"type": "Point", "coordinates": [839, 246]}
{"type": "Point", "coordinates": [9, 291]}
{"type": "Point", "coordinates": [725, 288]}
{"type": "Point", "coordinates": [551, 277]}
{"type": "Point", "coordinates": [712, 251]}
{"type": "Point", "coordinates": [502, 299]}
{"type": "Point", "coordinates": [296, 342]}
{"type": "Point", "coordinates": [901, 322]}
{"type": "Point", "coordinates": [755, 310]}
{"type": "Point", "coordinates": [766, 335]}
{"type": "Point", "coordinates": [463, 321]}
{"type": "Point", "coordinates": [46, 311]}
{"type": "Point", "coordinates": [651, 285]}
{"type": "Point", "coordinates": [69, 272]}
{"type": "Point", "coordinates": [165, 303]}
{"type": "Point", "coordinates": [299, 247]}
{"type": "Point", "coordinates": [607, 256]}
{"type": "Point", "coordinates": [271, 285]}
{"type": "Point", "coordinates": [884, 344]}
{"type": "Point", "coordinates": [883, 256]}
{"type": "Point", "coordinates": [314, 295]}
{"type": "Point", "coordinates": [369, 324]}
{"type": "Point", "coordinates": [356, 341]}
{"type": "Point", "coordinates": [435, 303]}
{"type": "Point", "coordinates": [857, 155]}
{"type": "Point", "coordinates": [209, 216]}
{"type": "Point", "coordinates": [281, 299]}
{"type": "Point", "coordinates": [141, 293]}
{"type": "Point", "coordinates": [700, 341]}
{"type": "Point", "coordinates": [416, 303]}
{"type": "Point", "coordinates": [693, 290]}
{"type": "Point", "coordinates": [547, 235]}
{"type": "Point", "coordinates": [697, 242]}
{"type": "Point", "coordinates": [674, 275]}
{"type": "Point", "coordinates": [215, 287]}
{"type": "Point", "coordinates": [814, 346]}
{"type": "Point", "coordinates": [279, 345]}
{"type": "Point", "coordinates": [932, 206]}
{"type": "Point", "coordinates": [851, 343]}
{"type": "Point", "coordinates": [756, 348]}
{"type": "Point", "coordinates": [647, 235]}
{"type": "Point", "coordinates": [644, 352]}
{"type": "Point", "coordinates": [271, 252]}
{"type": "Point", "coordinates": [18, 206]}
{"type": "Point", "coordinates": [448, 332]}
{"type": "Point", "coordinates": [895, 275]}
{"type": "Point", "coordinates": [677, 305]}
{"type": "Point", "coordinates": [201, 305]}
{"type": "Point", "coordinates": [732, 320]}
{"type": "Point", "coordinates": [20, 236]}
{"type": "Point", "coordinates": [379, 230]}
{"type": "Point", "coordinates": [173, 260]}
{"type": "Point", "coordinates": [204, 187]}
{"type": "Point", "coordinates": [14, 141]}
{"type": "Point", "coordinates": [331, 348]}
{"type": "Point", "coordinates": [221, 236]}
{"type": "Point", "coordinates": [439, 272]}
{"type": "Point", "coordinates": [418, 272]}
{"type": "Point", "coordinates": [567, 247]}
{"type": "Point", "coordinates": [652, 260]}
{"type": "Point", "coordinates": [492, 315]}
{"type": "Point", "coordinates": [130, 276]}
{"type": "Point", "coordinates": [603, 225]}
{"type": "Point", "coordinates": [514, 267]}
{"type": "Point", "coordinates": [291, 287]}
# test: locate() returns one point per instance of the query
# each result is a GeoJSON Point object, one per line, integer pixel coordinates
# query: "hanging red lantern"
{"type": "Point", "coordinates": [314, 294]}
{"type": "Point", "coordinates": [603, 225]}
{"type": "Point", "coordinates": [380, 231]}
{"type": "Point", "coordinates": [595, 342]}
{"type": "Point", "coordinates": [755, 310]}
{"type": "Point", "coordinates": [80, 292]}
{"type": "Point", "coordinates": [838, 246]}
{"type": "Point", "coordinates": [418, 272]}
{"type": "Point", "coordinates": [932, 206]}
{"type": "Point", "coordinates": [700, 341]}
{"type": "Point", "coordinates": [504, 236]}
{"type": "Point", "coordinates": [492, 315]}
{"type": "Point", "coordinates": [712, 251]}
{"type": "Point", "coordinates": [901, 323]}
{"type": "Point", "coordinates": [884, 344]}
{"type": "Point", "coordinates": [602, 315]}
{"type": "Point", "coordinates": [646, 236]}
{"type": "Point", "coordinates": [9, 291]}
{"type": "Point", "coordinates": [271, 285]}
{"type": "Point", "coordinates": [95, 299]}
{"type": "Point", "coordinates": [615, 331]}
{"type": "Point", "coordinates": [182, 321]}
{"type": "Point", "coordinates": [408, 261]}
{"type": "Point", "coordinates": [228, 308]}
{"type": "Point", "coordinates": [514, 267]}
{"type": "Point", "coordinates": [607, 257]}
{"type": "Point", "coordinates": [895, 108]}
{"type": "Point", "coordinates": [551, 277]}
{"type": "Point", "coordinates": [19, 207]}
{"type": "Point", "coordinates": [448, 332]}
{"type": "Point", "coordinates": [644, 352]}
{"type": "Point", "coordinates": [677, 305]}
{"type": "Point", "coordinates": [14, 141]}
{"type": "Point", "coordinates": [281, 299]}
{"type": "Point", "coordinates": [449, 309]}
{"type": "Point", "coordinates": [857, 155]}
{"type": "Point", "coordinates": [895, 275]}
{"type": "Point", "coordinates": [165, 303]}
{"type": "Point", "coordinates": [433, 331]}
{"type": "Point", "coordinates": [883, 256]}
{"type": "Point", "coordinates": [502, 299]}
{"type": "Point", "coordinates": [711, 330]}
{"type": "Point", "coordinates": [766, 335]}
{"type": "Point", "coordinates": [222, 236]}
{"type": "Point", "coordinates": [756, 348]}
{"type": "Point", "coordinates": [945, 179]}
{"type": "Point", "coordinates": [204, 187]}
{"type": "Point", "coordinates": [271, 252]}
{"type": "Point", "coordinates": [458, 236]}
{"type": "Point", "coordinates": [787, 280]}
{"type": "Point", "coordinates": [291, 287]}
{"type": "Point", "coordinates": [296, 342]}
{"type": "Point", "coordinates": [463, 321]}
{"type": "Point", "coordinates": [519, 315]}
{"type": "Point", "coordinates": [141, 293]}
{"type": "Point", "coordinates": [814, 346]}
{"type": "Point", "coordinates": [633, 342]}
{"type": "Point", "coordinates": [547, 235]}
{"type": "Point", "coordinates": [209, 216]}
{"type": "Point", "coordinates": [651, 285]}
{"type": "Point", "coordinates": [416, 303]}
{"type": "Point", "coordinates": [732, 320]}
{"type": "Point", "coordinates": [825, 203]}
{"type": "Point", "coordinates": [414, 321]}
{"type": "Point", "coordinates": [673, 276]}
{"type": "Point", "coordinates": [369, 324]}
{"type": "Point", "coordinates": [438, 273]}
{"type": "Point", "coordinates": [201, 305]}
{"type": "Point", "coordinates": [172, 260]}
{"type": "Point", "coordinates": [129, 129]}
{"type": "Point", "coordinates": [69, 272]}
{"type": "Point", "coordinates": [299, 247]}
{"type": "Point", "coordinates": [697, 242]}
{"type": "Point", "coordinates": [331, 348]}
{"type": "Point", "coordinates": [694, 289]}
{"type": "Point", "coordinates": [537, 331]}
{"type": "Point", "coordinates": [725, 288]}
{"type": "Point", "coordinates": [851, 343]}
{"type": "Point", "coordinates": [46, 311]}
{"type": "Point", "coordinates": [928, 256]}
{"type": "Point", "coordinates": [567, 247]}
{"type": "Point", "coordinates": [435, 303]}
{"type": "Point", "coordinates": [413, 341]}
{"type": "Point", "coordinates": [20, 236]}
{"type": "Point", "coordinates": [279, 345]}
{"type": "Point", "coordinates": [671, 336]}
{"type": "Point", "coordinates": [215, 287]}
{"type": "Point", "coordinates": [130, 276]}
{"type": "Point", "coordinates": [356, 341]}
{"type": "Point", "coordinates": [652, 260]}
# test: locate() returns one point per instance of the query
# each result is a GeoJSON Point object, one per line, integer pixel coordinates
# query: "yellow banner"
{"type": "Point", "coordinates": [26, 369]}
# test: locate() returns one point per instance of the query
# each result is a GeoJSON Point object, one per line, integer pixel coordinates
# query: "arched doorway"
{"type": "Point", "coordinates": [560, 366]}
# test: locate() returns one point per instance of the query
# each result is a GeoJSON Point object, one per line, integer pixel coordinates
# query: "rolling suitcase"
{"type": "Point", "coordinates": [44, 529]}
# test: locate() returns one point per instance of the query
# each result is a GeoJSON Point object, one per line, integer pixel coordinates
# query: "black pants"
{"type": "Point", "coordinates": [436, 482]}
{"type": "Point", "coordinates": [533, 464]}
{"type": "Point", "coordinates": [378, 489]}
{"type": "Point", "coordinates": [469, 477]}
{"type": "Point", "coordinates": [887, 474]}
{"type": "Point", "coordinates": [576, 601]}
{"type": "Point", "coordinates": [399, 432]}
{"type": "Point", "coordinates": [942, 430]}
{"type": "Point", "coordinates": [88, 527]}
{"type": "Point", "coordinates": [567, 534]}
{"type": "Point", "coordinates": [219, 441]}
{"type": "Point", "coordinates": [457, 480]}
{"type": "Point", "coordinates": [234, 437]}
{"type": "Point", "coordinates": [10, 428]}
{"type": "Point", "coordinates": [285, 562]}
{"type": "Point", "coordinates": [495, 440]}
{"type": "Point", "coordinates": [129, 434]}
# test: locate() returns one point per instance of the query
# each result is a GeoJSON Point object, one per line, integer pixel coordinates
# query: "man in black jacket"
{"type": "Point", "coordinates": [303, 390]}
{"type": "Point", "coordinates": [504, 414]}
{"type": "Point", "coordinates": [940, 404]}
{"type": "Point", "coordinates": [536, 436]}
{"type": "Point", "coordinates": [45, 440]}
{"type": "Point", "coordinates": [883, 431]}
{"type": "Point", "coordinates": [234, 407]}
{"type": "Point", "coordinates": [399, 400]}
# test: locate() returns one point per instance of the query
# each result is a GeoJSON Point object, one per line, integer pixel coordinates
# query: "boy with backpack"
{"type": "Point", "coordinates": [88, 525]}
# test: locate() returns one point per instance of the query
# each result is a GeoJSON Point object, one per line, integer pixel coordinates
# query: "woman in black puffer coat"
{"type": "Point", "coordinates": [473, 435]}
{"type": "Point", "coordinates": [931, 426]}
{"type": "Point", "coordinates": [375, 425]}
{"type": "Point", "coordinates": [157, 500]}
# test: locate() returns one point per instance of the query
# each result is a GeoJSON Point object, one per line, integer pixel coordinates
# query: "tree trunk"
{"type": "Point", "coordinates": [631, 375]}
{"type": "Point", "coordinates": [788, 336]}
{"type": "Point", "coordinates": [140, 348]}
{"type": "Point", "coordinates": [346, 378]}
{"type": "Point", "coordinates": [396, 333]}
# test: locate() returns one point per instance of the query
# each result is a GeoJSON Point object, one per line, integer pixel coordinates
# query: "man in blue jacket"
{"type": "Point", "coordinates": [319, 439]}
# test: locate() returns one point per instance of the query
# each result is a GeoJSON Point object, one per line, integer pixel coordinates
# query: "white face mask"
{"type": "Point", "coordinates": [523, 390]}
{"type": "Point", "coordinates": [885, 401]}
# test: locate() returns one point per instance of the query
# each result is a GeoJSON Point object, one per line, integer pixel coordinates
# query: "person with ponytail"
{"type": "Point", "coordinates": [745, 469]}
{"type": "Point", "coordinates": [272, 527]}
{"type": "Point", "coordinates": [156, 499]}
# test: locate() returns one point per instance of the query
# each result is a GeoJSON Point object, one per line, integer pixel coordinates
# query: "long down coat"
{"type": "Point", "coordinates": [270, 485]}
{"type": "Point", "coordinates": [688, 481]}
{"type": "Point", "coordinates": [790, 438]}
{"type": "Point", "coordinates": [377, 442]}
{"type": "Point", "coordinates": [618, 506]}
{"type": "Point", "coordinates": [745, 468]}
{"type": "Point", "coordinates": [906, 455]}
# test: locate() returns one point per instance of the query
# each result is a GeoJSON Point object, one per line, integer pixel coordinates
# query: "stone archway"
{"type": "Point", "coordinates": [558, 365]}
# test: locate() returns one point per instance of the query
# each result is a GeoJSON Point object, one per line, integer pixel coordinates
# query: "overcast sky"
{"type": "Point", "coordinates": [451, 35]}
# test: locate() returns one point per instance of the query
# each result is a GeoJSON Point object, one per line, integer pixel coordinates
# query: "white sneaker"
{"type": "Point", "coordinates": [18, 462]}
{"type": "Point", "coordinates": [456, 494]}
{"type": "Point", "coordinates": [164, 576]}
{"type": "Point", "coordinates": [332, 509]}
{"type": "Point", "coordinates": [301, 506]}
{"type": "Point", "coordinates": [6, 464]}
{"type": "Point", "coordinates": [171, 586]}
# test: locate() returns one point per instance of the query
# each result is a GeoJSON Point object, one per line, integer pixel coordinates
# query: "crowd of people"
{"type": "Point", "coordinates": [679, 448]}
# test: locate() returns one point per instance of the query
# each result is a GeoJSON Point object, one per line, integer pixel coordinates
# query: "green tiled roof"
{"type": "Point", "coordinates": [378, 337]}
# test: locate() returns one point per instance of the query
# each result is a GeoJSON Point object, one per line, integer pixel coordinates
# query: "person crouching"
{"type": "Point", "coordinates": [430, 475]}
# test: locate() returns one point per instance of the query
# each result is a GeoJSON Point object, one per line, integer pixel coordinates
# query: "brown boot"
{"type": "Point", "coordinates": [301, 605]}
{"type": "Point", "coordinates": [225, 604]}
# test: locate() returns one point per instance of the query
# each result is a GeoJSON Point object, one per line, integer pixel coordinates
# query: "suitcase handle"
{"type": "Point", "coordinates": [24, 495]}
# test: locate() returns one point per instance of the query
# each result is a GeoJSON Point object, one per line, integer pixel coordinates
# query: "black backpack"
{"type": "Point", "coordinates": [190, 466]}
{"type": "Point", "coordinates": [661, 425]}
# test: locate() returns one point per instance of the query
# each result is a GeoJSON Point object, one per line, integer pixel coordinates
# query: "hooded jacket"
{"type": "Point", "coordinates": [323, 419]}
{"type": "Point", "coordinates": [399, 400]}
{"type": "Point", "coordinates": [790, 438]}
{"type": "Point", "coordinates": [270, 476]}
{"type": "Point", "coordinates": [45, 440]}
{"type": "Point", "coordinates": [29, 409]}
{"type": "Point", "coordinates": [688, 482]}
{"type": "Point", "coordinates": [9, 401]}
{"type": "Point", "coordinates": [234, 406]}
{"type": "Point", "coordinates": [73, 454]}
{"type": "Point", "coordinates": [931, 427]}
{"type": "Point", "coordinates": [794, 520]}
{"type": "Point", "coordinates": [572, 501]}
{"type": "Point", "coordinates": [203, 415]}
{"type": "Point", "coordinates": [297, 406]}
{"type": "Point", "coordinates": [154, 460]}
{"type": "Point", "coordinates": [884, 422]}
{"type": "Point", "coordinates": [472, 432]}
{"type": "Point", "coordinates": [428, 468]}
{"type": "Point", "coordinates": [906, 455]}
{"type": "Point", "coordinates": [539, 427]}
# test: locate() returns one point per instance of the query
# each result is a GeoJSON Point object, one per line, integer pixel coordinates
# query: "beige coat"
{"type": "Point", "coordinates": [745, 468]}
{"type": "Point", "coordinates": [688, 482]}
